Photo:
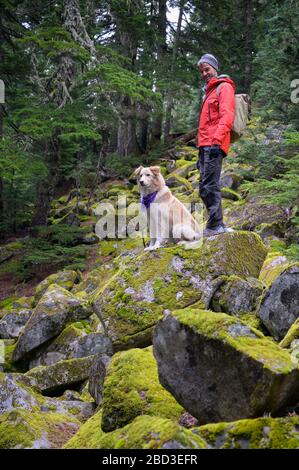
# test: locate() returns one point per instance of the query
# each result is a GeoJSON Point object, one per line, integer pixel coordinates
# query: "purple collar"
{"type": "Point", "coordinates": [148, 199]}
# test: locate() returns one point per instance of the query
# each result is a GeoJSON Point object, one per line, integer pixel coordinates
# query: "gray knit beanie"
{"type": "Point", "coordinates": [209, 59]}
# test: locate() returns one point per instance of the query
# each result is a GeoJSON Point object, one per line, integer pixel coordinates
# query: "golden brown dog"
{"type": "Point", "coordinates": [167, 218]}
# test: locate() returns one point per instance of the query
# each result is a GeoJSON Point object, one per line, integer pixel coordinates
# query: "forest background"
{"type": "Point", "coordinates": [95, 88]}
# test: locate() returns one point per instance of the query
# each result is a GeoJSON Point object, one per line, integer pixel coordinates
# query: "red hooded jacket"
{"type": "Point", "coordinates": [217, 114]}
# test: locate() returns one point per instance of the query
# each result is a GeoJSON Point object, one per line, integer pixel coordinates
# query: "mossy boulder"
{"type": "Point", "coordinates": [274, 264]}
{"type": "Point", "coordinates": [56, 308]}
{"type": "Point", "coordinates": [184, 168]}
{"type": "Point", "coordinates": [173, 181]}
{"type": "Point", "coordinates": [228, 193]}
{"type": "Point", "coordinates": [145, 432]}
{"type": "Point", "coordinates": [132, 388]}
{"type": "Point", "coordinates": [237, 296]}
{"type": "Point", "coordinates": [251, 213]}
{"type": "Point", "coordinates": [21, 429]}
{"type": "Point", "coordinates": [17, 391]}
{"type": "Point", "coordinates": [71, 219]}
{"type": "Point", "coordinates": [219, 369]}
{"type": "Point", "coordinates": [70, 404]}
{"type": "Point", "coordinates": [5, 253]}
{"type": "Point", "coordinates": [149, 285]}
{"type": "Point", "coordinates": [270, 230]}
{"type": "Point", "coordinates": [61, 375]}
{"type": "Point", "coordinates": [230, 180]}
{"type": "Point", "coordinates": [93, 280]}
{"type": "Point", "coordinates": [8, 366]}
{"type": "Point", "coordinates": [74, 341]}
{"type": "Point", "coordinates": [90, 238]}
{"type": "Point", "coordinates": [65, 279]}
{"type": "Point", "coordinates": [279, 305]}
{"type": "Point", "coordinates": [260, 433]}
{"type": "Point", "coordinates": [12, 323]}
{"type": "Point", "coordinates": [16, 303]}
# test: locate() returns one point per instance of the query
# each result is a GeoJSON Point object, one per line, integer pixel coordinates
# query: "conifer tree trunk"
{"type": "Point", "coordinates": [156, 127]}
{"type": "Point", "coordinates": [248, 47]}
{"type": "Point", "coordinates": [127, 143]}
{"type": "Point", "coordinates": [170, 96]}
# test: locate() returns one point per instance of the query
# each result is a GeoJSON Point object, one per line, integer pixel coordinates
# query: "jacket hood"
{"type": "Point", "coordinates": [215, 81]}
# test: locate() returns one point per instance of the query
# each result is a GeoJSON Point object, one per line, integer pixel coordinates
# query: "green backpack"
{"type": "Point", "coordinates": [242, 115]}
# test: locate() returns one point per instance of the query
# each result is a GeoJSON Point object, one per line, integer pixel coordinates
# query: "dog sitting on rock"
{"type": "Point", "coordinates": [168, 220]}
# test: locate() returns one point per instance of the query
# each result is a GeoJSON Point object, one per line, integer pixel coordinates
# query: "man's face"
{"type": "Point", "coordinates": [207, 72]}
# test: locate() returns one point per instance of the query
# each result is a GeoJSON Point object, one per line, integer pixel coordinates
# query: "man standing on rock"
{"type": "Point", "coordinates": [215, 122]}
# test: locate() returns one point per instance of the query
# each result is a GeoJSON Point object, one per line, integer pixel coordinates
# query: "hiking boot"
{"type": "Point", "coordinates": [208, 232]}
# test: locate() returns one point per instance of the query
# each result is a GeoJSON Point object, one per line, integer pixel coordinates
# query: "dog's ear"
{"type": "Point", "coordinates": [155, 170]}
{"type": "Point", "coordinates": [138, 171]}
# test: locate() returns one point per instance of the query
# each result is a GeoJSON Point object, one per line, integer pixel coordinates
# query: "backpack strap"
{"type": "Point", "coordinates": [209, 95]}
{"type": "Point", "coordinates": [218, 88]}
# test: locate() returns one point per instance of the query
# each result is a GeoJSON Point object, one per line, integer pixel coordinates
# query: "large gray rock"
{"type": "Point", "coordinates": [12, 323]}
{"type": "Point", "coordinates": [247, 216]}
{"type": "Point", "coordinates": [20, 392]}
{"type": "Point", "coordinates": [16, 391]}
{"type": "Point", "coordinates": [97, 374]}
{"type": "Point", "coordinates": [61, 375]}
{"type": "Point", "coordinates": [75, 341]}
{"type": "Point", "coordinates": [149, 285]}
{"type": "Point", "coordinates": [279, 306]}
{"type": "Point", "coordinates": [219, 369]}
{"type": "Point", "coordinates": [55, 309]}
{"type": "Point", "coordinates": [237, 296]}
{"type": "Point", "coordinates": [65, 279]}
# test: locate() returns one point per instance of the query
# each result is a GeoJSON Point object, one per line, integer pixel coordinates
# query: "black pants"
{"type": "Point", "coordinates": [209, 167]}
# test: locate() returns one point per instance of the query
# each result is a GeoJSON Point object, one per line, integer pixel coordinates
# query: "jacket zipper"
{"type": "Point", "coordinates": [209, 112]}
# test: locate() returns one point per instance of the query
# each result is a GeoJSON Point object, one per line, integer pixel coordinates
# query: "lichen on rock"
{"type": "Point", "coordinates": [56, 308]}
{"type": "Point", "coordinates": [138, 295]}
{"type": "Point", "coordinates": [260, 433]}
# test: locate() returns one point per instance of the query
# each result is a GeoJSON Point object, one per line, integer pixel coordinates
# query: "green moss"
{"type": "Point", "coordinates": [292, 334]}
{"type": "Point", "coordinates": [261, 433]}
{"type": "Point", "coordinates": [7, 304]}
{"type": "Point", "coordinates": [273, 266]}
{"type": "Point", "coordinates": [134, 298]}
{"type": "Point", "coordinates": [132, 388]}
{"type": "Point", "coordinates": [252, 320]}
{"type": "Point", "coordinates": [145, 432]}
{"type": "Point", "coordinates": [22, 429]}
{"type": "Point", "coordinates": [216, 326]}
{"type": "Point", "coordinates": [61, 374]}
{"type": "Point", "coordinates": [65, 279]}
{"type": "Point", "coordinates": [180, 181]}
{"type": "Point", "coordinates": [228, 193]}
{"type": "Point", "coordinates": [8, 365]}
